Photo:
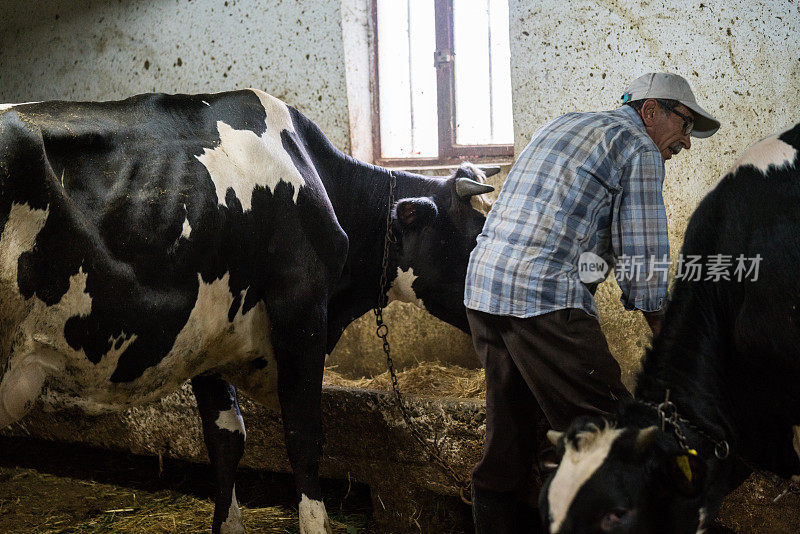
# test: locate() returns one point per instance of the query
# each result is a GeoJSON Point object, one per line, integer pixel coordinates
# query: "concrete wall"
{"type": "Point", "coordinates": [95, 50]}
{"type": "Point", "coordinates": [741, 58]}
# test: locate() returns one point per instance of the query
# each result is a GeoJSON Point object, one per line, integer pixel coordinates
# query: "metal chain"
{"type": "Point", "coordinates": [668, 414]}
{"type": "Point", "coordinates": [382, 331]}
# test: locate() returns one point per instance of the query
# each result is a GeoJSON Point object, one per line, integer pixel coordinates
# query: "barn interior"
{"type": "Point", "coordinates": [742, 59]}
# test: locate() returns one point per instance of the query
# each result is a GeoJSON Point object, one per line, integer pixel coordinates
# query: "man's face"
{"type": "Point", "coordinates": [665, 128]}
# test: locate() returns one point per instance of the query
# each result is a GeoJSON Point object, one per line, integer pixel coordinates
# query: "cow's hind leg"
{"type": "Point", "coordinates": [224, 434]}
{"type": "Point", "coordinates": [20, 387]}
{"type": "Point", "coordinates": [299, 349]}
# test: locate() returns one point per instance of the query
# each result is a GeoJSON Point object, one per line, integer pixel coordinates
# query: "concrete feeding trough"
{"type": "Point", "coordinates": [367, 441]}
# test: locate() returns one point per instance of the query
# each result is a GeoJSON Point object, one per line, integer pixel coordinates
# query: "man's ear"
{"type": "Point", "coordinates": [413, 213]}
{"type": "Point", "coordinates": [649, 111]}
{"type": "Point", "coordinates": [684, 472]}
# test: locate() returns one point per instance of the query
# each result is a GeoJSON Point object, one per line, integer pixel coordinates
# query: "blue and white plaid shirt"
{"type": "Point", "coordinates": [586, 182]}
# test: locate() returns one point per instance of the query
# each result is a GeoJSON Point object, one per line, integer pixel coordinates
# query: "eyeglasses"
{"type": "Point", "coordinates": [688, 122]}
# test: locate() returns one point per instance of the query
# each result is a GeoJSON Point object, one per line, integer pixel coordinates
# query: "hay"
{"type": "Point", "coordinates": [39, 503]}
{"type": "Point", "coordinates": [426, 379]}
{"type": "Point", "coordinates": [33, 502]}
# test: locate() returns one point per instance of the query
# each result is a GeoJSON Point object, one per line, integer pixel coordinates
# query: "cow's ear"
{"type": "Point", "coordinates": [644, 439]}
{"type": "Point", "coordinates": [414, 213]}
{"type": "Point", "coordinates": [555, 437]}
{"type": "Point", "coordinates": [685, 472]}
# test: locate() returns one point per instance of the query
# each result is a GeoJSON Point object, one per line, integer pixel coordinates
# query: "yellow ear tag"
{"type": "Point", "coordinates": [683, 463]}
{"type": "Point", "coordinates": [692, 452]}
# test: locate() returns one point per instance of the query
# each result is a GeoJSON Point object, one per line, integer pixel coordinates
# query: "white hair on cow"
{"type": "Point", "coordinates": [583, 456]}
{"type": "Point", "coordinates": [233, 523]}
{"type": "Point", "coordinates": [769, 152]}
{"type": "Point", "coordinates": [243, 160]}
{"type": "Point", "coordinates": [402, 288]}
{"type": "Point", "coordinates": [702, 518]}
{"type": "Point", "coordinates": [587, 437]}
{"type": "Point", "coordinates": [313, 517]}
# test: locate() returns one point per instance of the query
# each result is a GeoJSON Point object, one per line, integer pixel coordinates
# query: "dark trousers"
{"type": "Point", "coordinates": [557, 365]}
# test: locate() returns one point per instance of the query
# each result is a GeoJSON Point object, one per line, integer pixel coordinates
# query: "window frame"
{"type": "Point", "coordinates": [444, 59]}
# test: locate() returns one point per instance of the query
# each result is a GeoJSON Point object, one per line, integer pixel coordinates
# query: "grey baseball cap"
{"type": "Point", "coordinates": [673, 87]}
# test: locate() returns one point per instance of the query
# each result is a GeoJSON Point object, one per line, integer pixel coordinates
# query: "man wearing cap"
{"type": "Point", "coordinates": [587, 188]}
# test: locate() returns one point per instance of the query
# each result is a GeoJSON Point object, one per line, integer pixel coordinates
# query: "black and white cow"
{"type": "Point", "coordinates": [219, 238]}
{"type": "Point", "coordinates": [729, 352]}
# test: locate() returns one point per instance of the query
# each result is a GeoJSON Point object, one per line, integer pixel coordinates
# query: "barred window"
{"type": "Point", "coordinates": [443, 81]}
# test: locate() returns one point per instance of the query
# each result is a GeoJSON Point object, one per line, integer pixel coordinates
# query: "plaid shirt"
{"type": "Point", "coordinates": [586, 182]}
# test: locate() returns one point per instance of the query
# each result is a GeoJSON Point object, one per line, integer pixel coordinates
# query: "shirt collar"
{"type": "Point", "coordinates": [631, 115]}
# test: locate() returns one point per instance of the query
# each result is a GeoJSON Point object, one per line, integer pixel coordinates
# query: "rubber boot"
{"type": "Point", "coordinates": [494, 512]}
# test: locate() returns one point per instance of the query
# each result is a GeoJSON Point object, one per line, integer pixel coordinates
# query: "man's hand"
{"type": "Point", "coordinates": [654, 321]}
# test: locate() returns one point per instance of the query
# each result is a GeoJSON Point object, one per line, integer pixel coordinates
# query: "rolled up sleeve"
{"type": "Point", "coordinates": [639, 234]}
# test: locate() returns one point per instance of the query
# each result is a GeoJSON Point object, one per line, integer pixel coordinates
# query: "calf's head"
{"type": "Point", "coordinates": [622, 481]}
{"type": "Point", "coordinates": [436, 234]}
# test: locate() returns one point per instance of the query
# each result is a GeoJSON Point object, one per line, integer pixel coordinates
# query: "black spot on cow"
{"type": "Point", "coordinates": [235, 306]}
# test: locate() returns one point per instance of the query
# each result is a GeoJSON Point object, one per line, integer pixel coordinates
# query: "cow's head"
{"type": "Point", "coordinates": [622, 481]}
{"type": "Point", "coordinates": [436, 234]}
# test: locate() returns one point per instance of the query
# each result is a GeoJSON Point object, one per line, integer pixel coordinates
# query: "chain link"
{"type": "Point", "coordinates": [382, 331]}
{"type": "Point", "coordinates": [668, 414]}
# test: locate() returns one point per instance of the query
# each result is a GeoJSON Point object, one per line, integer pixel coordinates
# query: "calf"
{"type": "Point", "coordinates": [729, 356]}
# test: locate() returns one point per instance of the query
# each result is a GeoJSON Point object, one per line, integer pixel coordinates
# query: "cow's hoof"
{"type": "Point", "coordinates": [233, 523]}
{"type": "Point", "coordinates": [313, 517]}
{"type": "Point", "coordinates": [231, 527]}
{"type": "Point", "coordinates": [234, 529]}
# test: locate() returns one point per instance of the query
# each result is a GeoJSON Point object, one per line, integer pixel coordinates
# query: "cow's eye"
{"type": "Point", "coordinates": [612, 520]}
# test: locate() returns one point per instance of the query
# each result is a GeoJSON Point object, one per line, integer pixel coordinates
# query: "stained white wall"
{"type": "Point", "coordinates": [96, 50]}
{"type": "Point", "coordinates": [357, 37]}
{"type": "Point", "coordinates": [741, 58]}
